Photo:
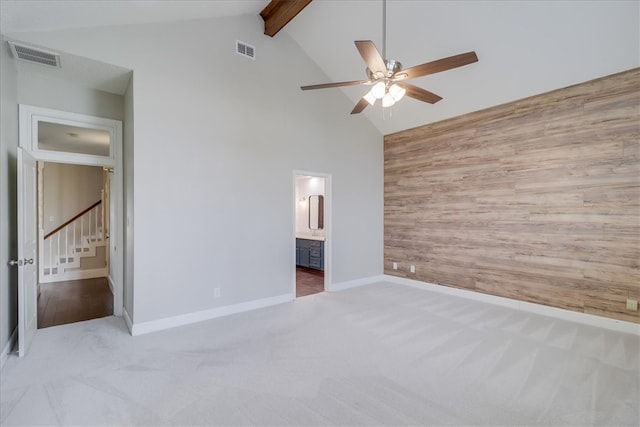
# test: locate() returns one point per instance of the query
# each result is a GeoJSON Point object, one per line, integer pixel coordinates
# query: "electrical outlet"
{"type": "Point", "coordinates": [632, 304]}
{"type": "Point", "coordinates": [216, 292]}
{"type": "Point", "coordinates": [395, 265]}
{"type": "Point", "coordinates": [412, 268]}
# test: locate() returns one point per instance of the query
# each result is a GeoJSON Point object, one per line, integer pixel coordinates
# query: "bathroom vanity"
{"type": "Point", "coordinates": [310, 252]}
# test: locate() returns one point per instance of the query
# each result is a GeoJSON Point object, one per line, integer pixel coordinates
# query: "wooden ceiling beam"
{"type": "Point", "coordinates": [278, 13]}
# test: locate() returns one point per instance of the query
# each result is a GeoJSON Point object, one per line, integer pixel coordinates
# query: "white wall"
{"type": "Point", "coordinates": [39, 89]}
{"type": "Point", "coordinates": [217, 137]}
{"type": "Point", "coordinates": [25, 85]}
{"type": "Point", "coordinates": [68, 190]}
{"type": "Point", "coordinates": [8, 235]}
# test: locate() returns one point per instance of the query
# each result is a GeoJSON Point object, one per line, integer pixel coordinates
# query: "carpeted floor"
{"type": "Point", "coordinates": [382, 354]}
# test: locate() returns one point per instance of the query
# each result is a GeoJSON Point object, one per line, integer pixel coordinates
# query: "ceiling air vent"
{"type": "Point", "coordinates": [33, 54]}
{"type": "Point", "coordinates": [245, 49]}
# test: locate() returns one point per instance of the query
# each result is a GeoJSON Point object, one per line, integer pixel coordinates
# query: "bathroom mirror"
{"type": "Point", "coordinates": [316, 212]}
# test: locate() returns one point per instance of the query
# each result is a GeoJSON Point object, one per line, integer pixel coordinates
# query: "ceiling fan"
{"type": "Point", "coordinates": [387, 78]}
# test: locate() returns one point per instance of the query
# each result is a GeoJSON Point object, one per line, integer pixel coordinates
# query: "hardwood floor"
{"type": "Point", "coordinates": [74, 301]}
{"type": "Point", "coordinates": [309, 281]}
{"type": "Point", "coordinates": [77, 300]}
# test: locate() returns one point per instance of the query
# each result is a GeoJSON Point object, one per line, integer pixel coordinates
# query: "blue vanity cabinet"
{"type": "Point", "coordinates": [303, 253]}
{"type": "Point", "coordinates": [310, 253]}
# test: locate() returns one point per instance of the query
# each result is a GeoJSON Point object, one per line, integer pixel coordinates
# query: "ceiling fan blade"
{"type": "Point", "coordinates": [361, 105]}
{"type": "Point", "coordinates": [419, 93]}
{"type": "Point", "coordinates": [439, 65]}
{"type": "Point", "coordinates": [328, 85]}
{"type": "Point", "coordinates": [371, 56]}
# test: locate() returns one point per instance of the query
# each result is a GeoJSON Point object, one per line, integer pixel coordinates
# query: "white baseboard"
{"type": "Point", "coordinates": [199, 316]}
{"type": "Point", "coordinates": [75, 275]}
{"type": "Point", "coordinates": [127, 320]}
{"type": "Point", "coordinates": [7, 348]}
{"type": "Point", "coordinates": [341, 286]}
{"type": "Point", "coordinates": [558, 313]}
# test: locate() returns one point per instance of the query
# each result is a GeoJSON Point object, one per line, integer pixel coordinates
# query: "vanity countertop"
{"type": "Point", "coordinates": [309, 236]}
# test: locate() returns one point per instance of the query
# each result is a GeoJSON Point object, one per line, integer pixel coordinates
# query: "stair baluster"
{"type": "Point", "coordinates": [61, 260]}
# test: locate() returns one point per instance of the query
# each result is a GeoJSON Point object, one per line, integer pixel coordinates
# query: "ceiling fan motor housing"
{"type": "Point", "coordinates": [392, 65]}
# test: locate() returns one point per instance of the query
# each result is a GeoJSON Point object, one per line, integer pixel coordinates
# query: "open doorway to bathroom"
{"type": "Point", "coordinates": [310, 193]}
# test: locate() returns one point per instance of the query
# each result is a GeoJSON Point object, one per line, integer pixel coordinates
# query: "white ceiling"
{"type": "Point", "coordinates": [524, 47]}
{"type": "Point", "coordinates": [37, 15]}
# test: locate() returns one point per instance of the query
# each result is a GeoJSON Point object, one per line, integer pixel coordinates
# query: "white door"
{"type": "Point", "coordinates": [27, 251]}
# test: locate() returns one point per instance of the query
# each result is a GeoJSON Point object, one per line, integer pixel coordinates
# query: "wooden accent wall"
{"type": "Point", "coordinates": [536, 200]}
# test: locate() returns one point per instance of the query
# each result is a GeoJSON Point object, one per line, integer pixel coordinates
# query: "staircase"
{"type": "Point", "coordinates": [75, 250]}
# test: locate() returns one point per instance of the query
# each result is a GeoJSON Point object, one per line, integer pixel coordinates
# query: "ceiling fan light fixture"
{"type": "Point", "coordinates": [370, 98]}
{"type": "Point", "coordinates": [387, 100]}
{"type": "Point", "coordinates": [378, 90]}
{"type": "Point", "coordinates": [397, 92]}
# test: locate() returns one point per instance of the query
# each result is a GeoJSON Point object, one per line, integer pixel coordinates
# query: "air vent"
{"type": "Point", "coordinates": [245, 49]}
{"type": "Point", "coordinates": [33, 54]}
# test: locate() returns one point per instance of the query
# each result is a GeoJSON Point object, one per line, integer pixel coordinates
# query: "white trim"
{"type": "Point", "coordinates": [28, 119]}
{"type": "Point", "coordinates": [7, 348]}
{"type": "Point", "coordinates": [558, 313]}
{"type": "Point", "coordinates": [127, 320]}
{"type": "Point", "coordinates": [76, 275]}
{"type": "Point", "coordinates": [30, 116]}
{"type": "Point", "coordinates": [199, 316]}
{"type": "Point", "coordinates": [341, 286]}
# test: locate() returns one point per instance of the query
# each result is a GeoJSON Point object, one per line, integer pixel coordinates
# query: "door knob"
{"type": "Point", "coordinates": [19, 262]}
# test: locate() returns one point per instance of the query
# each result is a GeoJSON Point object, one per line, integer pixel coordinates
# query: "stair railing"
{"type": "Point", "coordinates": [63, 245]}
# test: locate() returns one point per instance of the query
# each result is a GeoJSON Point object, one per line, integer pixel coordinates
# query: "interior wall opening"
{"type": "Point", "coordinates": [311, 236]}
{"type": "Point", "coordinates": [74, 218]}
{"type": "Point", "coordinates": [105, 224]}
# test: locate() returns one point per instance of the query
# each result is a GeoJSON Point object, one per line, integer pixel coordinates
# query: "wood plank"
{"type": "Point", "coordinates": [278, 13]}
{"type": "Point", "coordinates": [537, 200]}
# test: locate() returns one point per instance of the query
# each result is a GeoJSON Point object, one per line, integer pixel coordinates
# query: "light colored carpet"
{"type": "Point", "coordinates": [383, 354]}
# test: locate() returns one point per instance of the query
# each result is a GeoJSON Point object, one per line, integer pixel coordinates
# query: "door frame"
{"type": "Point", "coordinates": [328, 225]}
{"type": "Point", "coordinates": [29, 117]}
{"type": "Point", "coordinates": [41, 190]}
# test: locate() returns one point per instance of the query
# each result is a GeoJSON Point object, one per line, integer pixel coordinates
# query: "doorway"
{"type": "Point", "coordinates": [102, 147]}
{"type": "Point", "coordinates": [311, 233]}
{"type": "Point", "coordinates": [73, 233]}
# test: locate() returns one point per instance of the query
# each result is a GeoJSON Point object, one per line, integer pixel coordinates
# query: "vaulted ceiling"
{"type": "Point", "coordinates": [524, 47]}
